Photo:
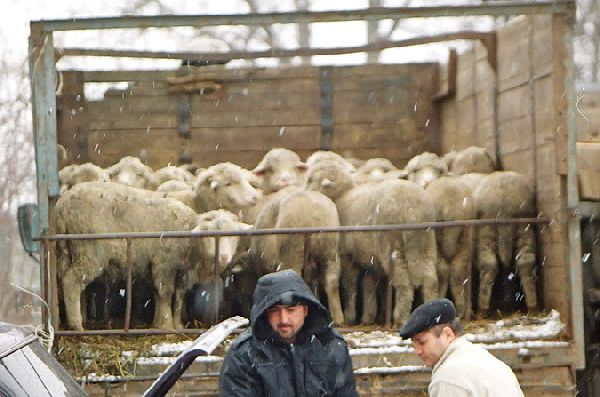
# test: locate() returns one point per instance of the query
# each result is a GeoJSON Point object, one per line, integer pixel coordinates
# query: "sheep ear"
{"type": "Point", "coordinates": [302, 167]}
{"type": "Point", "coordinates": [402, 174]}
{"type": "Point", "coordinates": [259, 170]}
{"type": "Point", "coordinates": [326, 182]}
{"type": "Point", "coordinates": [214, 185]}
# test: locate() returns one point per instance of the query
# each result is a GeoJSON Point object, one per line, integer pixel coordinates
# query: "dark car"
{"type": "Point", "coordinates": [27, 369]}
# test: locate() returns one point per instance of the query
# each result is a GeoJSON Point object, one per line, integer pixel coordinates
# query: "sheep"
{"type": "Point", "coordinates": [280, 168]}
{"type": "Point", "coordinates": [425, 167]}
{"type": "Point", "coordinates": [224, 186]}
{"type": "Point", "coordinates": [71, 175]}
{"type": "Point", "coordinates": [373, 170]}
{"type": "Point", "coordinates": [327, 155]}
{"type": "Point", "coordinates": [174, 186]}
{"type": "Point", "coordinates": [172, 173]}
{"type": "Point", "coordinates": [453, 201]}
{"type": "Point", "coordinates": [130, 171]}
{"type": "Point", "coordinates": [473, 160]}
{"type": "Point", "coordinates": [409, 260]}
{"type": "Point", "coordinates": [278, 252]}
{"type": "Point", "coordinates": [506, 194]}
{"type": "Point", "coordinates": [102, 207]}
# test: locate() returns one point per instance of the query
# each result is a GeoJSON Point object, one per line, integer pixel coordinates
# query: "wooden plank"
{"type": "Point", "coordinates": [513, 103]}
{"type": "Point", "coordinates": [560, 99]}
{"type": "Point", "coordinates": [465, 82]}
{"type": "Point", "coordinates": [72, 118]}
{"type": "Point", "coordinates": [515, 135]}
{"type": "Point", "coordinates": [520, 161]}
{"type": "Point", "coordinates": [542, 57]}
{"type": "Point", "coordinates": [513, 44]}
{"type": "Point", "coordinates": [544, 111]}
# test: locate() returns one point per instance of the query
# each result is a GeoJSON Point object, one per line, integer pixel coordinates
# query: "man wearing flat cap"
{"type": "Point", "coordinates": [459, 368]}
{"type": "Point", "coordinates": [290, 348]}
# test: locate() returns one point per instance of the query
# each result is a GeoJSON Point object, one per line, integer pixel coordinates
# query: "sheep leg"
{"type": "Point", "coordinates": [332, 287]}
{"type": "Point", "coordinates": [525, 264]}
{"type": "Point", "coordinates": [369, 297]}
{"type": "Point", "coordinates": [349, 279]}
{"type": "Point", "coordinates": [164, 284]}
{"type": "Point", "coordinates": [488, 266]}
{"type": "Point", "coordinates": [443, 272]}
{"type": "Point", "coordinates": [400, 276]}
{"type": "Point", "coordinates": [73, 285]}
{"type": "Point", "coordinates": [429, 261]}
{"type": "Point", "coordinates": [460, 271]}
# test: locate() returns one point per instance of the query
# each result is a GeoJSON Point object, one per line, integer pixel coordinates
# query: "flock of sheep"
{"type": "Point", "coordinates": [282, 191]}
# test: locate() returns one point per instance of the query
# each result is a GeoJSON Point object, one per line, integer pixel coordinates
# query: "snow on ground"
{"type": "Point", "coordinates": [522, 333]}
{"type": "Point", "coordinates": [525, 328]}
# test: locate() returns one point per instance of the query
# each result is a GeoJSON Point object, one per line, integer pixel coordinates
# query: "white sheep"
{"type": "Point", "coordinates": [71, 175]}
{"type": "Point", "coordinates": [473, 159]}
{"type": "Point", "coordinates": [172, 173]}
{"type": "Point", "coordinates": [224, 186]}
{"type": "Point", "coordinates": [130, 171]}
{"type": "Point", "coordinates": [408, 257]}
{"type": "Point", "coordinates": [278, 252]}
{"type": "Point", "coordinates": [506, 194]}
{"type": "Point", "coordinates": [373, 170]}
{"type": "Point", "coordinates": [453, 201]}
{"type": "Point", "coordinates": [280, 168]}
{"type": "Point", "coordinates": [425, 167]}
{"type": "Point", "coordinates": [105, 207]}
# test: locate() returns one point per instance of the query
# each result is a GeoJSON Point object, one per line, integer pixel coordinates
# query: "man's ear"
{"type": "Point", "coordinates": [448, 333]}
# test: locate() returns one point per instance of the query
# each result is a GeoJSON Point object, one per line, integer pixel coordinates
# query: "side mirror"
{"type": "Point", "coordinates": [29, 227]}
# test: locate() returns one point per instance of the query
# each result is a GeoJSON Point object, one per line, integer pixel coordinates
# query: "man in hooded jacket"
{"type": "Point", "coordinates": [290, 349]}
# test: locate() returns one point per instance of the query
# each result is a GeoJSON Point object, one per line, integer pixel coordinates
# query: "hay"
{"type": "Point", "coordinates": [103, 355]}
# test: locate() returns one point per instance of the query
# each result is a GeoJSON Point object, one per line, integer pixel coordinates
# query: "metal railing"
{"type": "Point", "coordinates": [306, 232]}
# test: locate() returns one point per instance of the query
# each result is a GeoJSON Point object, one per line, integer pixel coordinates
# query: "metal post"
{"type": "Point", "coordinates": [389, 290]}
{"type": "Point", "coordinates": [128, 290]}
{"type": "Point", "coordinates": [216, 274]}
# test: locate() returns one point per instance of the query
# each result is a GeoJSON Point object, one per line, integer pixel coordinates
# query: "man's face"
{"type": "Point", "coordinates": [430, 347]}
{"type": "Point", "coordinates": [287, 320]}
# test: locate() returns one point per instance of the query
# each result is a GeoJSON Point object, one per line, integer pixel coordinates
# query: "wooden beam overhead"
{"type": "Point", "coordinates": [165, 21]}
{"type": "Point", "coordinates": [220, 57]}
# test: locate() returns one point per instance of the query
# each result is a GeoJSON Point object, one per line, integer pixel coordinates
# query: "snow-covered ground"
{"type": "Point", "coordinates": [521, 333]}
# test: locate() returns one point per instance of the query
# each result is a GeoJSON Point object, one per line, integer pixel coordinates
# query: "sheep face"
{"type": "Point", "coordinates": [130, 171]}
{"type": "Point", "coordinates": [329, 178]}
{"type": "Point", "coordinates": [226, 186]}
{"type": "Point", "coordinates": [280, 168]}
{"type": "Point", "coordinates": [223, 221]}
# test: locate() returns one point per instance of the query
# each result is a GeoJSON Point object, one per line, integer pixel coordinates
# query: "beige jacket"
{"type": "Point", "coordinates": [469, 370]}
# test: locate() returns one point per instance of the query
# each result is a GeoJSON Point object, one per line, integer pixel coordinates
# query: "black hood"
{"type": "Point", "coordinates": [286, 287]}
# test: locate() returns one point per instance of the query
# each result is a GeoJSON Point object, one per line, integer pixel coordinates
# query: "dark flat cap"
{"type": "Point", "coordinates": [429, 314]}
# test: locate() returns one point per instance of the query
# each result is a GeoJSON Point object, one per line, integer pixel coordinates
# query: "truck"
{"type": "Point", "coordinates": [510, 90]}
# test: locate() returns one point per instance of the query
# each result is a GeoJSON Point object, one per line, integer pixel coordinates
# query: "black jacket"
{"type": "Point", "coordinates": [259, 363]}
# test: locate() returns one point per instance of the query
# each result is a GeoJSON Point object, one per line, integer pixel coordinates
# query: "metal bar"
{"type": "Point", "coordinates": [485, 37]}
{"type": "Point", "coordinates": [574, 227]}
{"type": "Point", "coordinates": [260, 232]}
{"type": "Point", "coordinates": [129, 287]}
{"type": "Point", "coordinates": [389, 300]}
{"type": "Point", "coordinates": [42, 73]}
{"type": "Point", "coordinates": [216, 274]}
{"type": "Point", "coordinates": [44, 281]}
{"type": "Point", "coordinates": [485, 9]}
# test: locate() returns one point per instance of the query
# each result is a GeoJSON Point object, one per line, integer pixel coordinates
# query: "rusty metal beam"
{"type": "Point", "coordinates": [260, 232]}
